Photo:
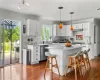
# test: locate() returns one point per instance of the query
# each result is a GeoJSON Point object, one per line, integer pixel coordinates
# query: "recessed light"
{"type": "Point", "coordinates": [18, 7]}
{"type": "Point", "coordinates": [27, 4]}
{"type": "Point", "coordinates": [98, 8]}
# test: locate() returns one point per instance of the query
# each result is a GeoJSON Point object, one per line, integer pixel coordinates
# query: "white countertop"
{"type": "Point", "coordinates": [63, 47]}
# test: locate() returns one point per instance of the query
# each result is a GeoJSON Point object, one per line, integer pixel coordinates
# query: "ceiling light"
{"type": "Point", "coordinates": [18, 7]}
{"type": "Point", "coordinates": [60, 25]}
{"type": "Point", "coordinates": [98, 8]}
{"type": "Point", "coordinates": [71, 27]}
{"type": "Point", "coordinates": [27, 4]}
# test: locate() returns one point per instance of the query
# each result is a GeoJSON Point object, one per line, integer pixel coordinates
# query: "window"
{"type": "Point", "coordinates": [46, 32]}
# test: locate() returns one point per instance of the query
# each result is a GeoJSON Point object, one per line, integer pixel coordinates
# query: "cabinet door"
{"type": "Point", "coordinates": [68, 31]}
{"type": "Point", "coordinates": [31, 27]}
{"type": "Point", "coordinates": [58, 31]}
{"type": "Point", "coordinates": [86, 29]}
{"type": "Point", "coordinates": [98, 41]}
{"type": "Point", "coordinates": [54, 30]}
{"type": "Point", "coordinates": [39, 29]}
{"type": "Point", "coordinates": [63, 31]}
{"type": "Point", "coordinates": [78, 26]}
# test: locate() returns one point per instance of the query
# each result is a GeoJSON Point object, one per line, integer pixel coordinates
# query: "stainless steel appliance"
{"type": "Point", "coordinates": [42, 52]}
{"type": "Point", "coordinates": [60, 39]}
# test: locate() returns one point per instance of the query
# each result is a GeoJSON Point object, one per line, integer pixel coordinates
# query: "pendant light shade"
{"type": "Point", "coordinates": [60, 25]}
{"type": "Point", "coordinates": [71, 27]}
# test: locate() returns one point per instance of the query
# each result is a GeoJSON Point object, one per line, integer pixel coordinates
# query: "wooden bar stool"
{"type": "Point", "coordinates": [73, 63]}
{"type": "Point", "coordinates": [50, 62]}
{"type": "Point", "coordinates": [86, 57]}
{"type": "Point", "coordinates": [82, 60]}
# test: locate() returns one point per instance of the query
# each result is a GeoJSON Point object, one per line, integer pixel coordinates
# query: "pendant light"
{"type": "Point", "coordinates": [23, 4]}
{"type": "Point", "coordinates": [60, 25]}
{"type": "Point", "coordinates": [71, 27]}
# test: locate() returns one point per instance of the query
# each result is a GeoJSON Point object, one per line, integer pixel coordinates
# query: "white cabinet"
{"type": "Point", "coordinates": [61, 32]}
{"type": "Point", "coordinates": [77, 26]}
{"type": "Point", "coordinates": [54, 30]}
{"type": "Point", "coordinates": [68, 31]}
{"type": "Point", "coordinates": [58, 31]}
{"type": "Point", "coordinates": [88, 29]}
{"type": "Point", "coordinates": [35, 54]}
{"type": "Point", "coordinates": [38, 29]}
{"type": "Point", "coordinates": [32, 27]}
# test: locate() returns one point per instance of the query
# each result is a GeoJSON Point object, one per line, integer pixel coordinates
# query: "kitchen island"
{"type": "Point", "coordinates": [62, 54]}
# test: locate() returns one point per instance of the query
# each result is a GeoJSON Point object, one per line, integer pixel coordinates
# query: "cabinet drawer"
{"type": "Point", "coordinates": [37, 58]}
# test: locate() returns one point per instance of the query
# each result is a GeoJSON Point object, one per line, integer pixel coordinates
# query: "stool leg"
{"type": "Point", "coordinates": [88, 62]}
{"type": "Point", "coordinates": [46, 67]}
{"type": "Point", "coordinates": [75, 69]}
{"type": "Point", "coordinates": [51, 69]}
{"type": "Point", "coordinates": [57, 66]}
{"type": "Point", "coordinates": [67, 66]}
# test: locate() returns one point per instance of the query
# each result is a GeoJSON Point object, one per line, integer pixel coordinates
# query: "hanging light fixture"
{"type": "Point", "coordinates": [71, 27]}
{"type": "Point", "coordinates": [23, 4]}
{"type": "Point", "coordinates": [60, 25]}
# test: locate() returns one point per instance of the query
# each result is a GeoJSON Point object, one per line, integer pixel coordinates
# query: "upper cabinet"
{"type": "Point", "coordinates": [68, 31]}
{"type": "Point", "coordinates": [77, 26]}
{"type": "Point", "coordinates": [54, 30]}
{"type": "Point", "coordinates": [61, 32]}
{"type": "Point", "coordinates": [33, 28]}
{"type": "Point", "coordinates": [88, 29]}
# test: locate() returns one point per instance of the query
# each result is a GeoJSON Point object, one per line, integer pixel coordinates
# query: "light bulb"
{"type": "Point", "coordinates": [27, 4]}
{"type": "Point", "coordinates": [18, 7]}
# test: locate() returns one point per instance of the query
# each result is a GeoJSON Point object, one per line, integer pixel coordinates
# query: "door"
{"type": "Point", "coordinates": [1, 47]}
{"type": "Point", "coordinates": [10, 42]}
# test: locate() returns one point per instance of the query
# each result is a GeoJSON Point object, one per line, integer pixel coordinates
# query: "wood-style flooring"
{"type": "Point", "coordinates": [36, 72]}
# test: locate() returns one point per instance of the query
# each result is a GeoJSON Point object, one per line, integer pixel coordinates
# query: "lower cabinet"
{"type": "Point", "coordinates": [35, 54]}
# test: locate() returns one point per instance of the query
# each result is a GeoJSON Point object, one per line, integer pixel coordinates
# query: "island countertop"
{"type": "Point", "coordinates": [63, 47]}
{"type": "Point", "coordinates": [62, 52]}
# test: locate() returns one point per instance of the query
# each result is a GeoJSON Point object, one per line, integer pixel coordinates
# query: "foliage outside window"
{"type": "Point", "coordinates": [46, 32]}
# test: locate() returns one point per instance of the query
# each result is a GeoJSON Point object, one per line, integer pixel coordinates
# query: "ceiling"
{"type": "Point", "coordinates": [48, 9]}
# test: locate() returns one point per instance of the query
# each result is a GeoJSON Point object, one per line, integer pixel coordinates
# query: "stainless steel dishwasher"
{"type": "Point", "coordinates": [42, 52]}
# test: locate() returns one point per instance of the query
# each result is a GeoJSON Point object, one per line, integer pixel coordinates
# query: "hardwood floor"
{"type": "Point", "coordinates": [36, 72]}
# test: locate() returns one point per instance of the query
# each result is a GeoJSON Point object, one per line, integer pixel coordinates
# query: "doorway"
{"type": "Point", "coordinates": [9, 40]}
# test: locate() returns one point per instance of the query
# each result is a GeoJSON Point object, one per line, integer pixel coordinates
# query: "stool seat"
{"type": "Point", "coordinates": [50, 55]}
{"type": "Point", "coordinates": [50, 59]}
{"type": "Point", "coordinates": [72, 55]}
{"type": "Point", "coordinates": [73, 63]}
{"type": "Point", "coordinates": [75, 54]}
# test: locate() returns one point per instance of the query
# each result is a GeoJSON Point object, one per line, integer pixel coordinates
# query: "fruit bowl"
{"type": "Point", "coordinates": [68, 45]}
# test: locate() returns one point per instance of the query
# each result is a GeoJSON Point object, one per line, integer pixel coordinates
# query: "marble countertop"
{"type": "Point", "coordinates": [63, 47]}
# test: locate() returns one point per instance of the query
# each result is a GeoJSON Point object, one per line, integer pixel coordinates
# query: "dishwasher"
{"type": "Point", "coordinates": [42, 52]}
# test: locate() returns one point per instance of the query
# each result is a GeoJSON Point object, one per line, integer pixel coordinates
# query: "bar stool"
{"type": "Point", "coordinates": [86, 57]}
{"type": "Point", "coordinates": [50, 62]}
{"type": "Point", "coordinates": [82, 60]}
{"type": "Point", "coordinates": [73, 63]}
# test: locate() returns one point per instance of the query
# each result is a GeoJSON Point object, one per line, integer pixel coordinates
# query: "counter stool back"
{"type": "Point", "coordinates": [73, 63]}
{"type": "Point", "coordinates": [87, 57]}
{"type": "Point", "coordinates": [50, 58]}
{"type": "Point", "coordinates": [82, 60]}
